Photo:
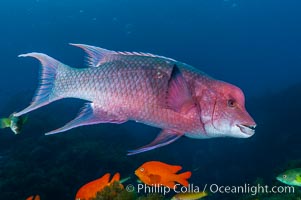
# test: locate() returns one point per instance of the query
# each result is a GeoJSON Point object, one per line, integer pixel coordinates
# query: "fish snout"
{"type": "Point", "coordinates": [248, 129]}
{"type": "Point", "coordinates": [247, 125]}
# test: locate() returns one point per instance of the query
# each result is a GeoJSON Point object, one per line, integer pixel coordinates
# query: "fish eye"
{"type": "Point", "coordinates": [284, 176]}
{"type": "Point", "coordinates": [141, 169]}
{"type": "Point", "coordinates": [231, 103]}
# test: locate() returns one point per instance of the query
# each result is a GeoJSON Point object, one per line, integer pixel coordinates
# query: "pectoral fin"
{"type": "Point", "coordinates": [89, 115]}
{"type": "Point", "coordinates": [154, 178]}
{"type": "Point", "coordinates": [179, 96]}
{"type": "Point", "coordinates": [164, 138]}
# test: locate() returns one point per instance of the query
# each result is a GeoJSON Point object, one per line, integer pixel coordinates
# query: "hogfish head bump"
{"type": "Point", "coordinates": [224, 112]}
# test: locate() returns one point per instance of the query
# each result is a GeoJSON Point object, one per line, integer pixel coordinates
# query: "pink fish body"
{"type": "Point", "coordinates": [146, 88]}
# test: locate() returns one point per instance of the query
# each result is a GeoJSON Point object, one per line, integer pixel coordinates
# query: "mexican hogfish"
{"type": "Point", "coordinates": [146, 88]}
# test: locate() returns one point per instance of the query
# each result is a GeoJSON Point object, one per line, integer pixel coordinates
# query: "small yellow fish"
{"type": "Point", "coordinates": [13, 122]}
{"type": "Point", "coordinates": [291, 177]}
{"type": "Point", "coordinates": [190, 196]}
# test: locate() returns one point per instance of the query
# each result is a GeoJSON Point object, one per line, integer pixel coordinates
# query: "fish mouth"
{"type": "Point", "coordinates": [247, 129]}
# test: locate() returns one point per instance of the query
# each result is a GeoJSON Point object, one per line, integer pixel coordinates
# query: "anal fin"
{"type": "Point", "coordinates": [164, 138]}
{"type": "Point", "coordinates": [89, 115]}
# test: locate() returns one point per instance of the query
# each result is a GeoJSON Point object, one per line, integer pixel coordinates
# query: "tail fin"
{"type": "Point", "coordinates": [182, 178]}
{"type": "Point", "coordinates": [45, 93]}
{"type": "Point", "coordinates": [5, 122]}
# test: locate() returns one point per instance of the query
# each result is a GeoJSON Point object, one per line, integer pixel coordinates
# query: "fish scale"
{"type": "Point", "coordinates": [117, 89]}
{"type": "Point", "coordinates": [146, 88]}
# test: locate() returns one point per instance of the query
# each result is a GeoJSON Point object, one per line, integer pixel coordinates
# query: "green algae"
{"type": "Point", "coordinates": [115, 191]}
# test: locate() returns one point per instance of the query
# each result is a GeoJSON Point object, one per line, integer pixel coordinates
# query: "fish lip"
{"type": "Point", "coordinates": [247, 129]}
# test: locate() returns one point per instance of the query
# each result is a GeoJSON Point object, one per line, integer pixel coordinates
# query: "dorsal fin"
{"type": "Point", "coordinates": [98, 56]}
{"type": "Point", "coordinates": [174, 168]}
{"type": "Point", "coordinates": [116, 177]}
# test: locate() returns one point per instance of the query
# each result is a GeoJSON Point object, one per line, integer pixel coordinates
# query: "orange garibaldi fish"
{"type": "Point", "coordinates": [89, 190]}
{"type": "Point", "coordinates": [146, 88]}
{"type": "Point", "coordinates": [34, 197]}
{"type": "Point", "coordinates": [158, 174]}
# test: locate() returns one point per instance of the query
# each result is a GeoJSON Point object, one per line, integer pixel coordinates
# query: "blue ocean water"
{"type": "Point", "coordinates": [254, 44]}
